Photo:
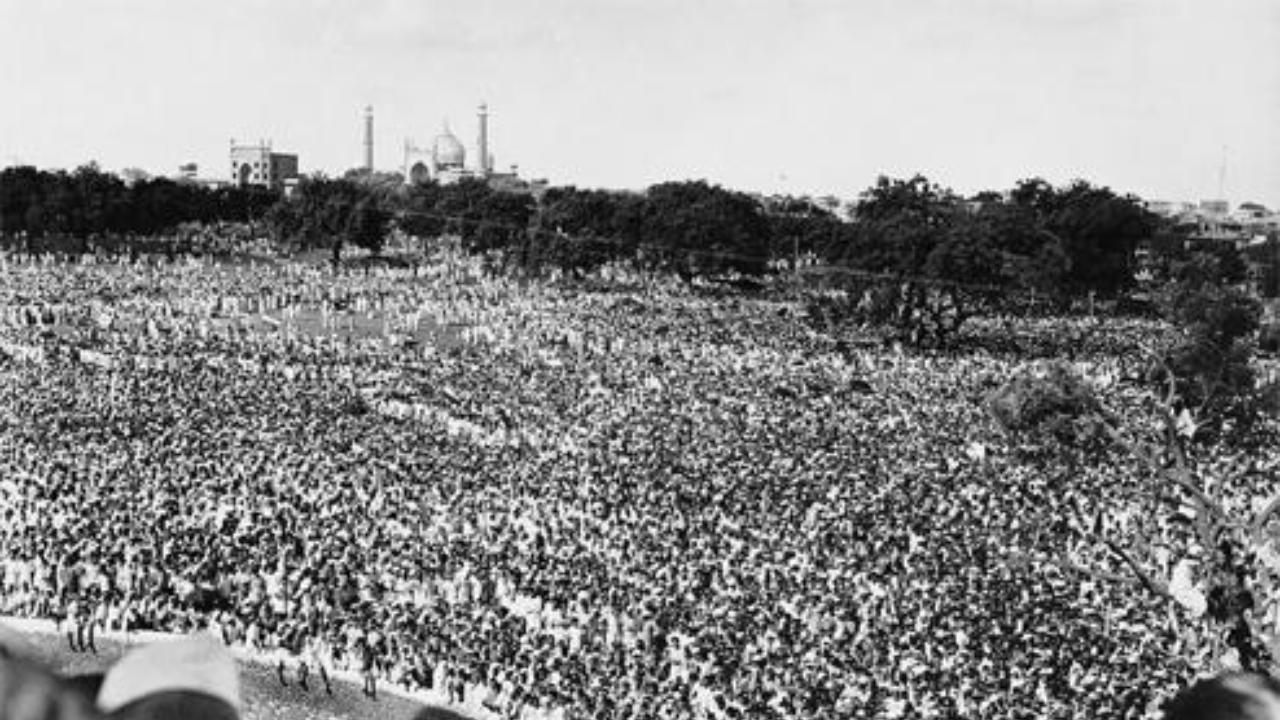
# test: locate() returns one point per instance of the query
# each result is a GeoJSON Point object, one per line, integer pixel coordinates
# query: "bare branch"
{"type": "Point", "coordinates": [1172, 394]}
{"type": "Point", "coordinates": [1020, 559]}
{"type": "Point", "coordinates": [1148, 580]}
{"type": "Point", "coordinates": [1178, 476]}
{"type": "Point", "coordinates": [1140, 574]}
{"type": "Point", "coordinates": [1066, 565]}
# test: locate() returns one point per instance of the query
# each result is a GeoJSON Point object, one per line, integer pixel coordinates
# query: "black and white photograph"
{"type": "Point", "coordinates": [639, 360]}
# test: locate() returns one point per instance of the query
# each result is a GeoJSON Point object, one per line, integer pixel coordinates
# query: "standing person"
{"type": "Point", "coordinates": [316, 652]}
{"type": "Point", "coordinates": [85, 623]}
{"type": "Point", "coordinates": [71, 623]}
{"type": "Point", "coordinates": [457, 685]}
{"type": "Point", "coordinates": [100, 616]}
{"type": "Point", "coordinates": [369, 666]}
{"type": "Point", "coordinates": [279, 641]}
{"type": "Point", "coordinates": [293, 643]}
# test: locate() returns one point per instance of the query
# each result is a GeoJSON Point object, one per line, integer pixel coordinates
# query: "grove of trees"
{"type": "Point", "coordinates": [37, 206]}
{"type": "Point", "coordinates": [912, 256]}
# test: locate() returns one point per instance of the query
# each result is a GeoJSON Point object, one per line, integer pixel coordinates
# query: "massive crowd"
{"type": "Point", "coordinates": [642, 504]}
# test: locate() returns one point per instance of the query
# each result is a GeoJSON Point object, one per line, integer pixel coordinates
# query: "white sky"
{"type": "Point", "coordinates": [795, 96]}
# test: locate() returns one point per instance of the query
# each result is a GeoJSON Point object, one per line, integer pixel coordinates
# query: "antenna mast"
{"type": "Point", "coordinates": [1222, 175]}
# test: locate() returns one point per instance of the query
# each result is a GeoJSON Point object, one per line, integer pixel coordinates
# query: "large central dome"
{"type": "Point", "coordinates": [448, 152]}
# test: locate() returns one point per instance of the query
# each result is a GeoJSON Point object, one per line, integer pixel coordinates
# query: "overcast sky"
{"type": "Point", "coordinates": [802, 96]}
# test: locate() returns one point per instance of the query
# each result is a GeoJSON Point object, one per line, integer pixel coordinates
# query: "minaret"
{"type": "Point", "coordinates": [368, 139]}
{"type": "Point", "coordinates": [483, 142]}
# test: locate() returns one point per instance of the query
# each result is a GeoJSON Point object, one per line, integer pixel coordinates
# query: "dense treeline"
{"type": "Point", "coordinates": [1073, 241]}
{"type": "Point", "coordinates": [919, 258]}
{"type": "Point", "coordinates": [96, 208]}
{"type": "Point", "coordinates": [909, 257]}
{"type": "Point", "coordinates": [687, 228]}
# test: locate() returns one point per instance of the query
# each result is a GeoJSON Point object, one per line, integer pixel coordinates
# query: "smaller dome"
{"type": "Point", "coordinates": [448, 151]}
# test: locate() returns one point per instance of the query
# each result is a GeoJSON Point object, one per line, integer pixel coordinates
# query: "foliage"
{"type": "Point", "coordinates": [799, 227]}
{"type": "Point", "coordinates": [1269, 338]}
{"type": "Point", "coordinates": [1048, 404]}
{"type": "Point", "coordinates": [925, 261]}
{"type": "Point", "coordinates": [937, 259]}
{"type": "Point", "coordinates": [581, 230]}
{"type": "Point", "coordinates": [1099, 231]}
{"type": "Point", "coordinates": [695, 229]}
{"type": "Point", "coordinates": [1169, 516]}
{"type": "Point", "coordinates": [1266, 257]}
{"type": "Point", "coordinates": [1209, 364]}
{"type": "Point", "coordinates": [692, 229]}
{"type": "Point", "coordinates": [483, 218]}
{"type": "Point", "coordinates": [505, 222]}
{"type": "Point", "coordinates": [91, 204]}
{"type": "Point", "coordinates": [386, 185]}
{"type": "Point", "coordinates": [328, 213]}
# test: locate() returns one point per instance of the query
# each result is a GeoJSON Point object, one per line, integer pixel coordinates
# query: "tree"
{"type": "Point", "coordinates": [462, 206]}
{"type": "Point", "coordinates": [1099, 231]}
{"type": "Point", "coordinates": [367, 225]}
{"type": "Point", "coordinates": [1050, 404]}
{"type": "Point", "coordinates": [420, 211]}
{"type": "Point", "coordinates": [332, 214]}
{"type": "Point", "coordinates": [799, 227]}
{"type": "Point", "coordinates": [923, 261]}
{"type": "Point", "coordinates": [695, 229]}
{"type": "Point", "coordinates": [1265, 256]}
{"type": "Point", "coordinates": [386, 185]}
{"type": "Point", "coordinates": [581, 230]}
{"type": "Point", "coordinates": [504, 221]}
{"type": "Point", "coordinates": [91, 204]}
{"type": "Point", "coordinates": [1208, 360]}
{"type": "Point", "coordinates": [1219, 559]}
{"type": "Point", "coordinates": [20, 191]}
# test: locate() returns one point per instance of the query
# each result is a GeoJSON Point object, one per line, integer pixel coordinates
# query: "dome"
{"type": "Point", "coordinates": [448, 152]}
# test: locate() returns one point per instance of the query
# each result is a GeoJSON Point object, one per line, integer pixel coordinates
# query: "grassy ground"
{"type": "Point", "coordinates": [264, 698]}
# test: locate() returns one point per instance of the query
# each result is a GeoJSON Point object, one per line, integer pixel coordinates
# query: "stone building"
{"type": "Point", "coordinates": [259, 165]}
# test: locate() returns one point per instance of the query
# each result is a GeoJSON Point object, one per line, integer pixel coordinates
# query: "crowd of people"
{"type": "Point", "coordinates": [570, 504]}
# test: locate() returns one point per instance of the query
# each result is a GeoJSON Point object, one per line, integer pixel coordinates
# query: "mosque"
{"type": "Point", "coordinates": [445, 160]}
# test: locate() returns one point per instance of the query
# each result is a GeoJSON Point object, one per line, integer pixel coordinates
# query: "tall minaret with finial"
{"type": "Point", "coordinates": [483, 141]}
{"type": "Point", "coordinates": [368, 139]}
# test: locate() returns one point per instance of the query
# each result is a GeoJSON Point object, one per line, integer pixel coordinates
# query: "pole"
{"type": "Point", "coordinates": [795, 265]}
{"type": "Point", "coordinates": [368, 139]}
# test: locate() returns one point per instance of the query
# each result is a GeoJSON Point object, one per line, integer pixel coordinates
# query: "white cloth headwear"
{"type": "Point", "coordinates": [198, 663]}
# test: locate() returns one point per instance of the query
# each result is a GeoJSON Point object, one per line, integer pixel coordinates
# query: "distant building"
{"type": "Point", "coordinates": [133, 176]}
{"type": "Point", "coordinates": [1214, 221]}
{"type": "Point", "coordinates": [445, 161]}
{"type": "Point", "coordinates": [189, 174]}
{"type": "Point", "coordinates": [1215, 207]}
{"type": "Point", "coordinates": [258, 165]}
{"type": "Point", "coordinates": [1168, 208]}
{"type": "Point", "coordinates": [1212, 227]}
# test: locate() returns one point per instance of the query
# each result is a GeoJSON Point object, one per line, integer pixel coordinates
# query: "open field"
{"type": "Point", "coordinates": [617, 504]}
